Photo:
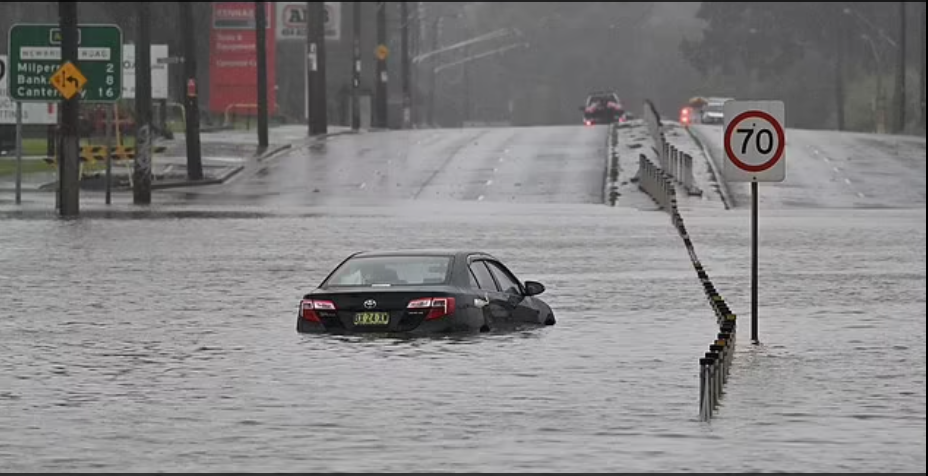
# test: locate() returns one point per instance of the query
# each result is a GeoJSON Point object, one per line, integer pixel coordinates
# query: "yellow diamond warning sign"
{"type": "Point", "coordinates": [68, 80]}
{"type": "Point", "coordinates": [382, 52]}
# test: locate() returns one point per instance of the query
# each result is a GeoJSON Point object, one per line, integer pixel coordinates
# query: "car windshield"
{"type": "Point", "coordinates": [391, 271]}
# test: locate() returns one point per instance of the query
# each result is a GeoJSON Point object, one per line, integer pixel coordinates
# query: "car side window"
{"type": "Point", "coordinates": [483, 276]}
{"type": "Point", "coordinates": [473, 279]}
{"type": "Point", "coordinates": [504, 277]}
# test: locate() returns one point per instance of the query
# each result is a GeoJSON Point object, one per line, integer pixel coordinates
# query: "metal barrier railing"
{"type": "Point", "coordinates": [676, 162]}
{"type": "Point", "coordinates": [715, 365]}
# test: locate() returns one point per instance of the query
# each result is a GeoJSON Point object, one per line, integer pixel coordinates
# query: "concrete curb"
{"type": "Point", "coordinates": [727, 200]}
{"type": "Point", "coordinates": [261, 157]}
{"type": "Point", "coordinates": [198, 183]}
{"type": "Point", "coordinates": [273, 153]}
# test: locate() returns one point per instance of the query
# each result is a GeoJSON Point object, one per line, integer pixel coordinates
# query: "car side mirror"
{"type": "Point", "coordinates": [533, 288]}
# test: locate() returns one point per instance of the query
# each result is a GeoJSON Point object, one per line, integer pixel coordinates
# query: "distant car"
{"type": "Point", "coordinates": [603, 108]}
{"type": "Point", "coordinates": [714, 111]}
{"type": "Point", "coordinates": [422, 292]}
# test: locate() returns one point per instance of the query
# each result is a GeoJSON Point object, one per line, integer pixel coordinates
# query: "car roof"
{"type": "Point", "coordinates": [421, 252]}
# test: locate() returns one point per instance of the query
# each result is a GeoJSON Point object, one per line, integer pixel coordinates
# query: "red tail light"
{"type": "Point", "coordinates": [308, 308]}
{"type": "Point", "coordinates": [438, 307]}
{"type": "Point", "coordinates": [589, 123]}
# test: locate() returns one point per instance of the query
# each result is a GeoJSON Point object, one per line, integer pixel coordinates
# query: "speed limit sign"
{"type": "Point", "coordinates": [755, 141]}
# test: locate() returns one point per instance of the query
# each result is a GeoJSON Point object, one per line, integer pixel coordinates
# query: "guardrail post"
{"type": "Point", "coordinates": [705, 409]}
{"type": "Point", "coordinates": [665, 151]}
{"type": "Point", "coordinates": [687, 174]}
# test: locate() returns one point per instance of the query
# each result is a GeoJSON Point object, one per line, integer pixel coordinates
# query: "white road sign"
{"type": "Point", "coordinates": [754, 141]}
{"type": "Point", "coordinates": [159, 71]}
{"type": "Point", "coordinates": [33, 112]}
{"type": "Point", "coordinates": [291, 21]}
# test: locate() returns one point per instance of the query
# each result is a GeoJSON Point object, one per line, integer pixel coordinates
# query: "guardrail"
{"type": "Point", "coordinates": [715, 365]}
{"type": "Point", "coordinates": [610, 187]}
{"type": "Point", "coordinates": [674, 161]}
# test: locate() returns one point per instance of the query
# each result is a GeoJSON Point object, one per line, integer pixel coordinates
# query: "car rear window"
{"type": "Point", "coordinates": [392, 271]}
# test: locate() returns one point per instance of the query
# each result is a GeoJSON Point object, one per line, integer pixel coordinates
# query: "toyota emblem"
{"type": "Point", "coordinates": [370, 304]}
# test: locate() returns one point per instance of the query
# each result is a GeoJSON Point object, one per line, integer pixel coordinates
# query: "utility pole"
{"type": "Point", "coordinates": [436, 27]}
{"type": "Point", "coordinates": [922, 90]}
{"type": "Point", "coordinates": [404, 67]}
{"type": "Point", "coordinates": [381, 71]}
{"type": "Point", "coordinates": [261, 50]}
{"type": "Point", "coordinates": [191, 101]}
{"type": "Point", "coordinates": [356, 67]}
{"type": "Point", "coordinates": [68, 170]}
{"type": "Point", "coordinates": [841, 36]}
{"type": "Point", "coordinates": [900, 73]}
{"type": "Point", "coordinates": [315, 67]}
{"type": "Point", "coordinates": [141, 190]}
{"type": "Point", "coordinates": [467, 99]}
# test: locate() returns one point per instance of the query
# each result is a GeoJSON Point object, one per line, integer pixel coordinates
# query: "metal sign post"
{"type": "Point", "coordinates": [19, 152]}
{"type": "Point", "coordinates": [755, 146]}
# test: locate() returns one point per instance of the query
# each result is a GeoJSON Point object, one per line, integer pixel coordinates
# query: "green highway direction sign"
{"type": "Point", "coordinates": [35, 54]}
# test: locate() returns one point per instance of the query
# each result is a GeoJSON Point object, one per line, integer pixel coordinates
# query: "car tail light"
{"type": "Point", "coordinates": [438, 307]}
{"type": "Point", "coordinates": [308, 308]}
{"type": "Point", "coordinates": [589, 123]}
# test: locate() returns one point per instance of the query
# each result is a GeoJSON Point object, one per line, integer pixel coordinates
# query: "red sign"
{"type": "Point", "coordinates": [233, 62]}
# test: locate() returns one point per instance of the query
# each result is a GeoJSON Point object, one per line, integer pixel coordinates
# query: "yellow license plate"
{"type": "Point", "coordinates": [371, 319]}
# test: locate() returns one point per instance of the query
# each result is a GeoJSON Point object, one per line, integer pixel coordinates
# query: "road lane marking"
{"type": "Point", "coordinates": [363, 184]}
{"type": "Point", "coordinates": [847, 181]}
{"type": "Point", "coordinates": [489, 182]}
{"type": "Point", "coordinates": [480, 198]}
{"type": "Point", "coordinates": [861, 195]}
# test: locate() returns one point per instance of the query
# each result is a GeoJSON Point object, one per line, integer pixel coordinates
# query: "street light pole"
{"type": "Point", "coordinates": [191, 101]}
{"type": "Point", "coordinates": [900, 72]}
{"type": "Point", "coordinates": [922, 89]}
{"type": "Point", "coordinates": [436, 27]}
{"type": "Point", "coordinates": [316, 60]}
{"type": "Point", "coordinates": [261, 50]}
{"type": "Point", "coordinates": [356, 67]}
{"type": "Point", "coordinates": [141, 186]}
{"type": "Point", "coordinates": [380, 72]}
{"type": "Point", "coordinates": [839, 72]}
{"type": "Point", "coordinates": [404, 46]}
{"type": "Point", "coordinates": [880, 102]}
{"type": "Point", "coordinates": [69, 151]}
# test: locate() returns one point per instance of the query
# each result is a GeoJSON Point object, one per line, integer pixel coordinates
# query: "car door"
{"type": "Point", "coordinates": [497, 311]}
{"type": "Point", "coordinates": [521, 307]}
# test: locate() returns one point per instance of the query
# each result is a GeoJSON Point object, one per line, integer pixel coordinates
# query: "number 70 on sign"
{"type": "Point", "coordinates": [755, 141]}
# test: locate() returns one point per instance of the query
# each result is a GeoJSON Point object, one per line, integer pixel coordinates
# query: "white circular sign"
{"type": "Point", "coordinates": [754, 141]}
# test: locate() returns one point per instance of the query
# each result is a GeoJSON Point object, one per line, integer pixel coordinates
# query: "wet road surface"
{"type": "Point", "coordinates": [163, 339]}
{"type": "Point", "coordinates": [828, 169]}
{"type": "Point", "coordinates": [525, 165]}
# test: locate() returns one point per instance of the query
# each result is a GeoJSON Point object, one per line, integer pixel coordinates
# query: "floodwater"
{"type": "Point", "coordinates": [165, 341]}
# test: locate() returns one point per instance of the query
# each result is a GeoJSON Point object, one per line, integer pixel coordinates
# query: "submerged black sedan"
{"type": "Point", "coordinates": [422, 292]}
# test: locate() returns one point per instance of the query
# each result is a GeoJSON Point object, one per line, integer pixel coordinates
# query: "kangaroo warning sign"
{"type": "Point", "coordinates": [754, 141]}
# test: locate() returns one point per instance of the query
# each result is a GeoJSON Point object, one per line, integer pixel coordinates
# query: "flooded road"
{"type": "Point", "coordinates": [164, 340]}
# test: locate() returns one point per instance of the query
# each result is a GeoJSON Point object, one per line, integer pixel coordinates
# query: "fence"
{"type": "Point", "coordinates": [715, 365]}
{"type": "Point", "coordinates": [678, 164]}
